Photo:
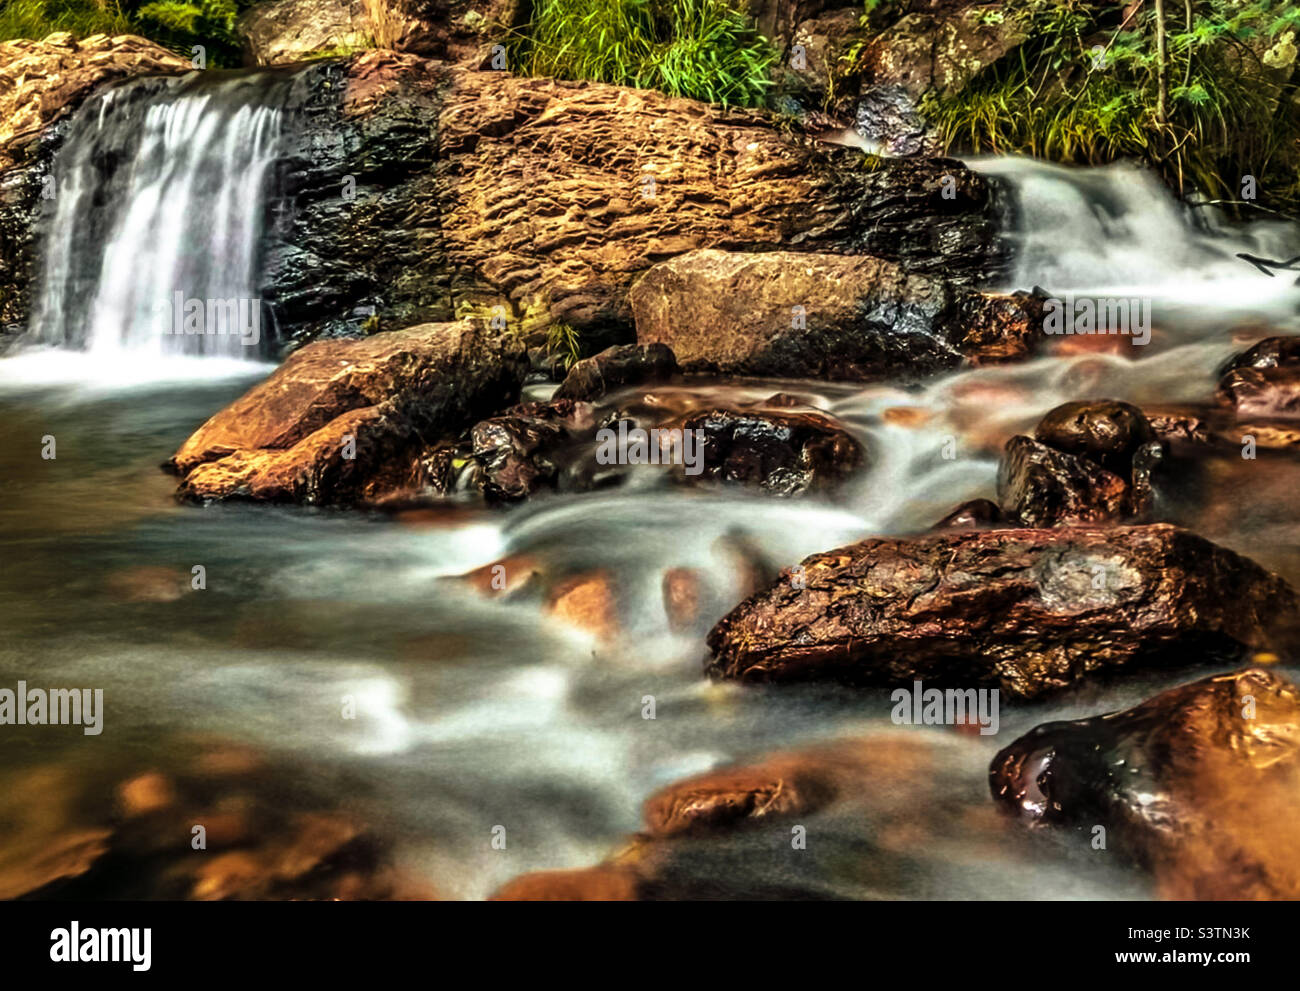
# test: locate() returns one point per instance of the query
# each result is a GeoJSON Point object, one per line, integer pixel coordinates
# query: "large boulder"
{"type": "Point", "coordinates": [285, 31]}
{"type": "Point", "coordinates": [828, 316]}
{"type": "Point", "coordinates": [344, 421]}
{"type": "Point", "coordinates": [1201, 784]}
{"type": "Point", "coordinates": [41, 84]}
{"type": "Point", "coordinates": [1026, 611]}
{"type": "Point", "coordinates": [541, 200]}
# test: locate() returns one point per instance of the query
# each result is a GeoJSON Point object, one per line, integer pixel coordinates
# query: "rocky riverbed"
{"type": "Point", "coordinates": [615, 475]}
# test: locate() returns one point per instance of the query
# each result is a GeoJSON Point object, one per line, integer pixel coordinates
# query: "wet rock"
{"type": "Point", "coordinates": [1267, 393]}
{"type": "Point", "coordinates": [1091, 462]}
{"type": "Point", "coordinates": [1103, 430]}
{"type": "Point", "coordinates": [587, 602]}
{"type": "Point", "coordinates": [1201, 784]}
{"type": "Point", "coordinates": [819, 315]}
{"type": "Point", "coordinates": [726, 798]}
{"type": "Point", "coordinates": [1040, 486]}
{"type": "Point", "coordinates": [595, 884]}
{"type": "Point", "coordinates": [683, 593]}
{"type": "Point", "coordinates": [344, 421]}
{"type": "Point", "coordinates": [518, 453]}
{"type": "Point", "coordinates": [621, 365]}
{"type": "Point", "coordinates": [1272, 352]}
{"type": "Point", "coordinates": [1026, 611]}
{"type": "Point", "coordinates": [973, 515]}
{"type": "Point", "coordinates": [779, 452]}
{"type": "Point", "coordinates": [285, 31]}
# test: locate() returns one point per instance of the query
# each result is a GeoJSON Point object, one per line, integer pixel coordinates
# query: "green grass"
{"type": "Point", "coordinates": [702, 49]}
{"type": "Point", "coordinates": [38, 18]}
{"type": "Point", "coordinates": [1051, 99]}
{"type": "Point", "coordinates": [175, 24]}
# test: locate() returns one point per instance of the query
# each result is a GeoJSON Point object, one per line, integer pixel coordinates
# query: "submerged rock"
{"type": "Point", "coordinates": [618, 366]}
{"type": "Point", "coordinates": [343, 421]}
{"type": "Point", "coordinates": [827, 316]}
{"type": "Point", "coordinates": [726, 798]}
{"type": "Point", "coordinates": [1201, 784]}
{"type": "Point", "coordinates": [1027, 611]}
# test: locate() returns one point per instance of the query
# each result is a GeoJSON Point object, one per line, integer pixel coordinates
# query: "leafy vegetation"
{"type": "Point", "coordinates": [175, 24]}
{"type": "Point", "coordinates": [1192, 88]}
{"type": "Point", "coordinates": [702, 49]}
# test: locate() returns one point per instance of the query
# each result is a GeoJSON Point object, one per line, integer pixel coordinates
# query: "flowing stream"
{"type": "Point", "coordinates": [474, 713]}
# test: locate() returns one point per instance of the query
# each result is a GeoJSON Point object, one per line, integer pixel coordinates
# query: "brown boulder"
{"type": "Point", "coordinates": [450, 30]}
{"type": "Point", "coordinates": [1026, 611]}
{"type": "Point", "coordinates": [1103, 430]}
{"type": "Point", "coordinates": [342, 421]}
{"type": "Point", "coordinates": [828, 316]}
{"type": "Point", "coordinates": [281, 32]}
{"type": "Point", "coordinates": [1201, 784]}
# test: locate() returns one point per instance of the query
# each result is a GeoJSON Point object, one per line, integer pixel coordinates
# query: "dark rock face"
{"type": "Point", "coordinates": [344, 421]}
{"type": "Point", "coordinates": [779, 452]}
{"type": "Point", "coordinates": [1040, 486]}
{"type": "Point", "coordinates": [1091, 462]}
{"type": "Point", "coordinates": [1026, 611]}
{"type": "Point", "coordinates": [830, 316]}
{"type": "Point", "coordinates": [623, 364]}
{"type": "Point", "coordinates": [1201, 784]}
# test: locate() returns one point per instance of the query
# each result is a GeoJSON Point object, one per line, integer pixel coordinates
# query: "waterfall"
{"type": "Point", "coordinates": [153, 243]}
{"type": "Point", "coordinates": [1118, 229]}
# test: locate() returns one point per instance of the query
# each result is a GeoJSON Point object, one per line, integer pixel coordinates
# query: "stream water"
{"type": "Point", "coordinates": [474, 713]}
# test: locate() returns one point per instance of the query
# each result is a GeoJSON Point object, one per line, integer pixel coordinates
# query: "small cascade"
{"type": "Point", "coordinates": [153, 245]}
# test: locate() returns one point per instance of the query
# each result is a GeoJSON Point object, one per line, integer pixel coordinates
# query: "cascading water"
{"type": "Point", "coordinates": [473, 712]}
{"type": "Point", "coordinates": [155, 239]}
